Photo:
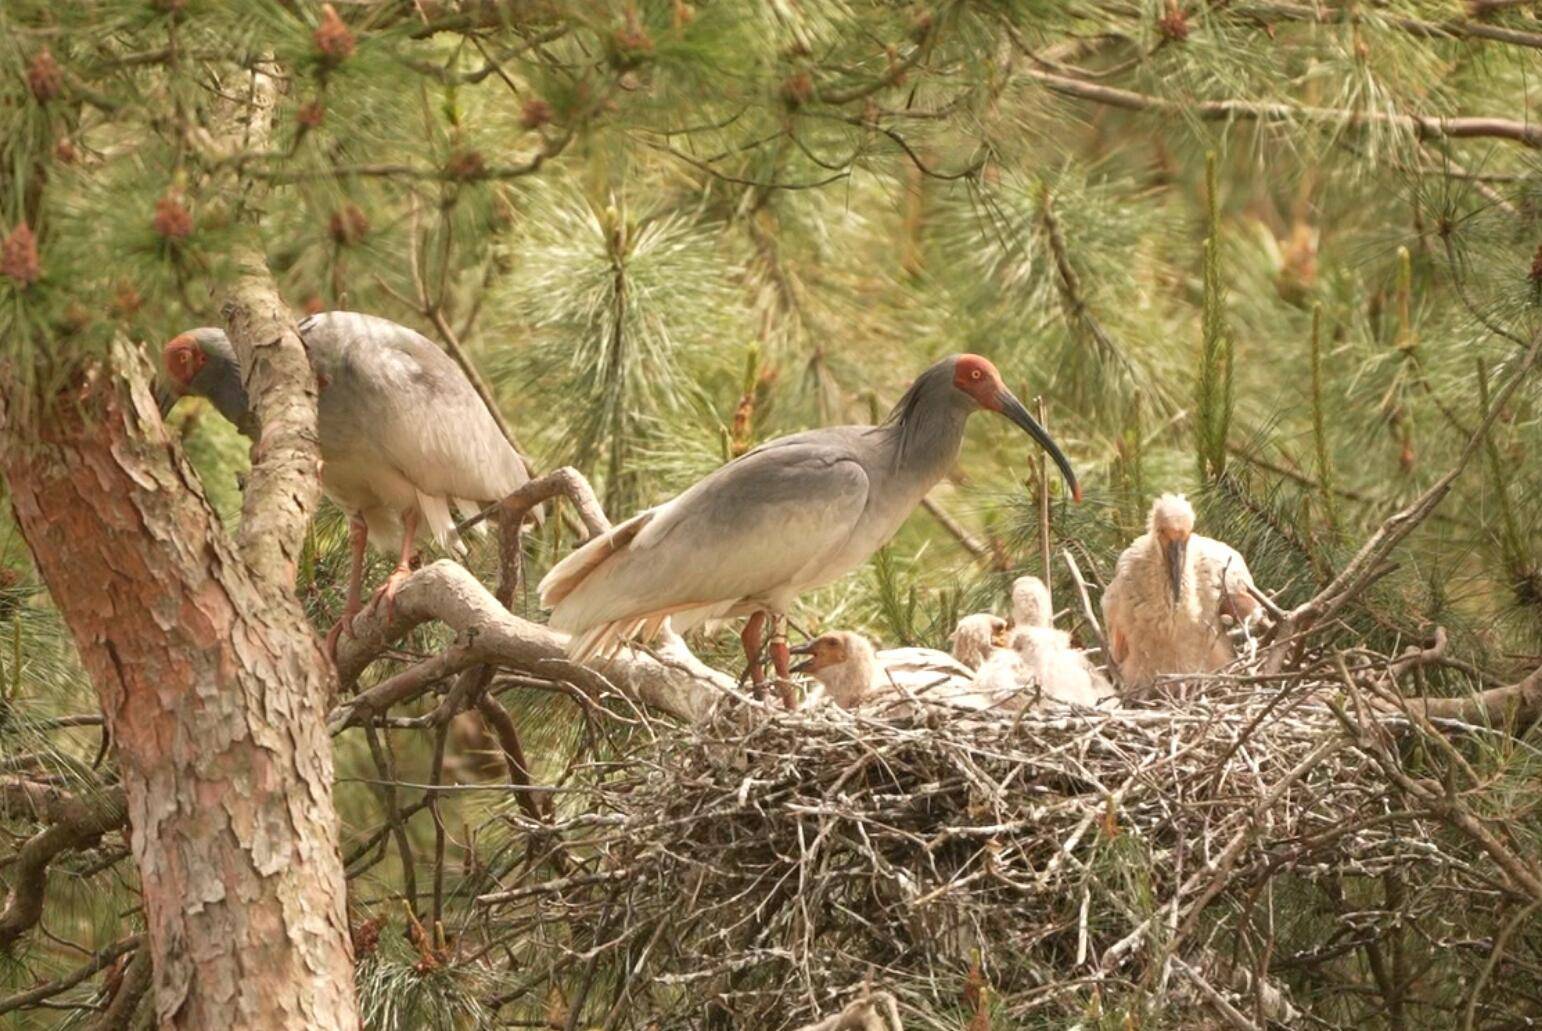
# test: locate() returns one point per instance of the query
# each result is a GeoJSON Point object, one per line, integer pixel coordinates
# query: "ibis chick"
{"type": "Point", "coordinates": [1062, 672]}
{"type": "Point", "coordinates": [975, 637]}
{"type": "Point", "coordinates": [851, 672]}
{"type": "Point", "coordinates": [1163, 610]}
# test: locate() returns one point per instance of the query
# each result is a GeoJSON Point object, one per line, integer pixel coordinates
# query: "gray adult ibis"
{"type": "Point", "coordinates": [404, 436]}
{"type": "Point", "coordinates": [790, 515]}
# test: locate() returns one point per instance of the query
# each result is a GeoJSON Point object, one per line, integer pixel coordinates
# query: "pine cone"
{"type": "Point", "coordinates": [311, 114]}
{"type": "Point", "coordinates": [333, 37]}
{"type": "Point", "coordinates": [172, 220]}
{"type": "Point", "coordinates": [797, 90]}
{"type": "Point", "coordinates": [366, 937]}
{"type": "Point", "coordinates": [465, 164]}
{"type": "Point", "coordinates": [348, 225]}
{"type": "Point", "coordinates": [1174, 25]}
{"type": "Point", "coordinates": [44, 76]}
{"type": "Point", "coordinates": [19, 257]}
{"type": "Point", "coordinates": [126, 300]}
{"type": "Point", "coordinates": [535, 113]}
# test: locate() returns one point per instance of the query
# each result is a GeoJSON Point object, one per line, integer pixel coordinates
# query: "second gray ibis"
{"type": "Point", "coordinates": [790, 515]}
{"type": "Point", "coordinates": [403, 433]}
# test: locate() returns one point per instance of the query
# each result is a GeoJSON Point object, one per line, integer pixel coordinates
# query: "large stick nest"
{"type": "Point", "coordinates": [760, 868]}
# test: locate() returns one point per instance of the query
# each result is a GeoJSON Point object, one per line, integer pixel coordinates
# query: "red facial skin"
{"type": "Point", "coordinates": [978, 378]}
{"type": "Point", "coordinates": [183, 358]}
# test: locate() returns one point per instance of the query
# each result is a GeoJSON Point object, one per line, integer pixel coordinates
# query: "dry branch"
{"type": "Point", "coordinates": [1369, 563]}
{"type": "Point", "coordinates": [670, 680]}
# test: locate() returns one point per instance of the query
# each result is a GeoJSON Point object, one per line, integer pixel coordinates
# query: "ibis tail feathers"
{"type": "Point", "coordinates": [436, 512]}
{"type": "Point", "coordinates": [565, 576]}
{"type": "Point", "coordinates": [466, 509]}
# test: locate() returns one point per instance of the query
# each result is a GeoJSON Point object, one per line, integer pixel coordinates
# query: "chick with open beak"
{"type": "Point", "coordinates": [844, 663]}
{"type": "Point", "coordinates": [976, 636]}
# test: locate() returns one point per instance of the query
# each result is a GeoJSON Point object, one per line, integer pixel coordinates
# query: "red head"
{"type": "Point", "coordinates": [182, 359]}
{"type": "Point", "coordinates": [978, 378]}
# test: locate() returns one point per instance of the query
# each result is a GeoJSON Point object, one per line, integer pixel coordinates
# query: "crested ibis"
{"type": "Point", "coordinates": [1062, 672]}
{"type": "Point", "coordinates": [790, 515]}
{"type": "Point", "coordinates": [975, 636]}
{"type": "Point", "coordinates": [1163, 609]}
{"type": "Point", "coordinates": [851, 672]}
{"type": "Point", "coordinates": [403, 434]}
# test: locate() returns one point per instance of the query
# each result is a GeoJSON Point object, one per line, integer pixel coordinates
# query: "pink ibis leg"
{"type": "Point", "coordinates": [358, 535]}
{"type": "Point", "coordinates": [752, 637]}
{"type": "Point", "coordinates": [403, 570]}
{"type": "Point", "coordinates": [781, 660]}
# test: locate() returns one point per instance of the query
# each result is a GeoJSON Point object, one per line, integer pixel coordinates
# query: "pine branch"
{"type": "Point", "coordinates": [1421, 126]}
{"type": "Point", "coordinates": [1366, 565]}
{"type": "Point", "coordinates": [100, 960]}
{"type": "Point", "coordinates": [73, 822]}
{"type": "Point", "coordinates": [1453, 29]}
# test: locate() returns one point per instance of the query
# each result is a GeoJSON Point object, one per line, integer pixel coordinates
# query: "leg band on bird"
{"type": "Point", "coordinates": [782, 661]}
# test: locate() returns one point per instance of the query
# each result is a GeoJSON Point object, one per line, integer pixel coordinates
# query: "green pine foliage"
{"type": "Point", "coordinates": [618, 207]}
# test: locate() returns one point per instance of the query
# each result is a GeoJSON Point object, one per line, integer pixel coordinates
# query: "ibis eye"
{"type": "Point", "coordinates": [975, 374]}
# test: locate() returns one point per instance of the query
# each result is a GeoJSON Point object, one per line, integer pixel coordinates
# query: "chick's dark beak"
{"type": "Point", "coordinates": [1009, 406]}
{"type": "Point", "coordinates": [1176, 550]}
{"type": "Point", "coordinates": [806, 648]}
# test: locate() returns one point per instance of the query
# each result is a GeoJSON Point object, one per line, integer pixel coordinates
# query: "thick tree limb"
{"type": "Point", "coordinates": [1422, 126]}
{"type": "Point", "coordinates": [1516, 706]}
{"type": "Point", "coordinates": [670, 680]}
{"type": "Point", "coordinates": [211, 683]}
{"type": "Point", "coordinates": [284, 486]}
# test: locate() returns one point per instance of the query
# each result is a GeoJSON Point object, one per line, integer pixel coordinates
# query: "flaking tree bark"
{"type": "Point", "coordinates": [211, 681]}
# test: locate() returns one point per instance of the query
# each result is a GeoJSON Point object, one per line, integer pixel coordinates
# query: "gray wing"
{"type": "Point", "coordinates": [391, 389]}
{"type": "Point", "coordinates": [762, 526]}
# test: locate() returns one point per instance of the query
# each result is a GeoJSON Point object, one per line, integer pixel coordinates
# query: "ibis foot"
{"type": "Point", "coordinates": [387, 591]}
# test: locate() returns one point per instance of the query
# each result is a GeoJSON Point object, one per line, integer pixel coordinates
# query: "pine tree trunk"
{"type": "Point", "coordinates": [214, 688]}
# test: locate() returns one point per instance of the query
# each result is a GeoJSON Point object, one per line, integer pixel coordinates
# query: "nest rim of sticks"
{"type": "Point", "coordinates": [772, 865]}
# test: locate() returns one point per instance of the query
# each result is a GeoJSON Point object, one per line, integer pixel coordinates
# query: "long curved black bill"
{"type": "Point", "coordinates": [1013, 409]}
{"type": "Point", "coordinates": [1176, 550]}
{"type": "Point", "coordinates": [164, 398]}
